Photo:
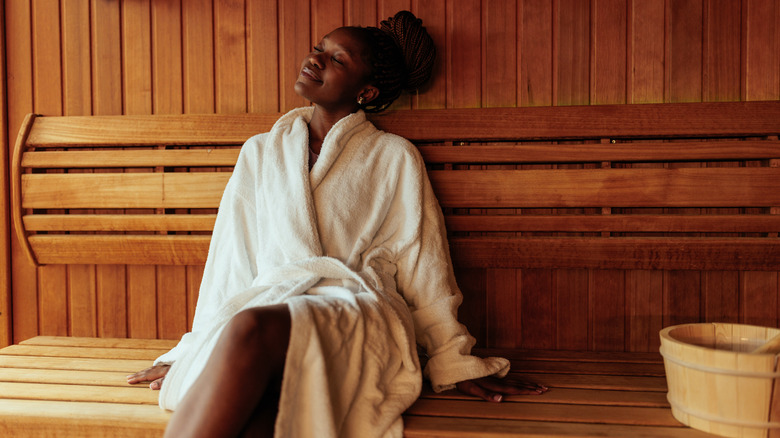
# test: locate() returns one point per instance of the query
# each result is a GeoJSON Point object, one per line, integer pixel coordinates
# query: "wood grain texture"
{"type": "Point", "coordinates": [103, 57]}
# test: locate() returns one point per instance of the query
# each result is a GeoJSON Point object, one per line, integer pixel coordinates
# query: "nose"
{"type": "Point", "coordinates": [315, 60]}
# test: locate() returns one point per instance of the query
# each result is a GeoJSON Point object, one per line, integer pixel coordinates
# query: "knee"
{"type": "Point", "coordinates": [265, 330]}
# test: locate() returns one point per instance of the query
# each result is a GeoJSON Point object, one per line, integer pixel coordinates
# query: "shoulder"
{"type": "Point", "coordinates": [397, 147]}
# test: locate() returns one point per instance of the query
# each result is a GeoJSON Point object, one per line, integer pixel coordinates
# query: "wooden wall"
{"type": "Point", "coordinates": [75, 57]}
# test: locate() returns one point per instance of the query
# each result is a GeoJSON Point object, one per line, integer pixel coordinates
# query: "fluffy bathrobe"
{"type": "Point", "coordinates": [357, 249]}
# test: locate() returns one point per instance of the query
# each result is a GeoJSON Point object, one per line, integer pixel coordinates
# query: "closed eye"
{"type": "Point", "coordinates": [336, 60]}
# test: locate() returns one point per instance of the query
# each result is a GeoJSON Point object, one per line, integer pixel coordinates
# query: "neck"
{"type": "Point", "coordinates": [319, 125]}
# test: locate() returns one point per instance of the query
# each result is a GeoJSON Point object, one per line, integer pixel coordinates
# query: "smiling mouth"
{"type": "Point", "coordinates": [309, 74]}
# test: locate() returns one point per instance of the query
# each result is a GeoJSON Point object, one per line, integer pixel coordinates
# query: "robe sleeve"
{"type": "Point", "coordinates": [427, 282]}
{"type": "Point", "coordinates": [231, 264]}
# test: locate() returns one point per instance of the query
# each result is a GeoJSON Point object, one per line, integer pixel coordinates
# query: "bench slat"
{"type": "Point", "coordinates": [131, 158]}
{"type": "Point", "coordinates": [123, 190]}
{"type": "Point", "coordinates": [84, 352]}
{"type": "Point", "coordinates": [575, 396]}
{"type": "Point", "coordinates": [67, 376]}
{"type": "Point", "coordinates": [70, 363]}
{"type": "Point", "coordinates": [628, 415]}
{"type": "Point", "coordinates": [445, 427]}
{"type": "Point", "coordinates": [76, 341]}
{"type": "Point", "coordinates": [597, 152]}
{"type": "Point", "coordinates": [25, 418]}
{"type": "Point", "coordinates": [560, 188]}
{"type": "Point", "coordinates": [77, 393]}
{"type": "Point", "coordinates": [599, 381]}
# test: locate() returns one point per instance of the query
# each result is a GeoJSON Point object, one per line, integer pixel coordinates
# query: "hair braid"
{"type": "Point", "coordinates": [401, 57]}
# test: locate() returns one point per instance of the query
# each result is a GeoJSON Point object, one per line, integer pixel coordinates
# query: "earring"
{"type": "Point", "coordinates": [360, 100]}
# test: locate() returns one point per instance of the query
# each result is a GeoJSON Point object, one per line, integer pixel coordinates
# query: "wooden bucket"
{"type": "Point", "coordinates": [716, 385]}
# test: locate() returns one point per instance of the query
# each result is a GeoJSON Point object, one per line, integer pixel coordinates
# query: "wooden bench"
{"type": "Point", "coordinates": [631, 187]}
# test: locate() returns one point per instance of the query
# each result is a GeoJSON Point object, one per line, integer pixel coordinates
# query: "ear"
{"type": "Point", "coordinates": [368, 93]}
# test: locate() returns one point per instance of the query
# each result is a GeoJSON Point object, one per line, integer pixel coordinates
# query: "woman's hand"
{"type": "Point", "coordinates": [494, 389]}
{"type": "Point", "coordinates": [155, 375]}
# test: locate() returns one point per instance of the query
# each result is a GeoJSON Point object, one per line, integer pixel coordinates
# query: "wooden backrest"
{"type": "Point", "coordinates": [662, 186]}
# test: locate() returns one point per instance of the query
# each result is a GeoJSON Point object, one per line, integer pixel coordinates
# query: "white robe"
{"type": "Point", "coordinates": [357, 249]}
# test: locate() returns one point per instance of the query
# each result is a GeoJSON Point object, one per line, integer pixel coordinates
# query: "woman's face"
{"type": "Point", "coordinates": [334, 74]}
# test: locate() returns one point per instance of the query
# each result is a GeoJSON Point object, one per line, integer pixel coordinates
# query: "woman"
{"type": "Point", "coordinates": [328, 264]}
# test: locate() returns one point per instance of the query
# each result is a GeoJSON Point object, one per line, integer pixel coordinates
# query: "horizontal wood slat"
{"type": "Point", "coordinates": [148, 130]}
{"type": "Point", "coordinates": [486, 252]}
{"type": "Point", "coordinates": [598, 152]}
{"type": "Point", "coordinates": [129, 250]}
{"type": "Point", "coordinates": [710, 119]}
{"type": "Point", "coordinates": [686, 187]}
{"type": "Point", "coordinates": [618, 253]}
{"type": "Point", "coordinates": [131, 158]}
{"type": "Point", "coordinates": [123, 190]}
{"type": "Point", "coordinates": [482, 124]}
{"type": "Point", "coordinates": [119, 222]}
{"type": "Point", "coordinates": [633, 223]}
{"type": "Point", "coordinates": [617, 223]}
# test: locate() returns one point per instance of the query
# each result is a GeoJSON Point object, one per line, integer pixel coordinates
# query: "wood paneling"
{"type": "Point", "coordinates": [234, 56]}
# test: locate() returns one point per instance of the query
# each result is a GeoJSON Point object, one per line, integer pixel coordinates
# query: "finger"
{"type": "Point", "coordinates": [148, 374]}
{"type": "Point", "coordinates": [157, 384]}
{"type": "Point", "coordinates": [469, 387]}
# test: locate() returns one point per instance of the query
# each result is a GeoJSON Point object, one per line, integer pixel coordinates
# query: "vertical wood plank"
{"type": "Point", "coordinates": [608, 52]}
{"type": "Point", "coordinates": [501, 312]}
{"type": "Point", "coordinates": [685, 51]}
{"type": "Point", "coordinates": [758, 300]}
{"type": "Point", "coordinates": [77, 81]}
{"type": "Point", "coordinates": [536, 52]}
{"type": "Point", "coordinates": [194, 278]}
{"type": "Point", "coordinates": [463, 54]}
{"type": "Point", "coordinates": [171, 302]}
{"type": "Point", "coordinates": [77, 96]}
{"type": "Point", "coordinates": [572, 321]}
{"type": "Point", "coordinates": [499, 46]}
{"type": "Point", "coordinates": [720, 293]}
{"type": "Point", "coordinates": [761, 63]}
{"type": "Point", "coordinates": [262, 56]}
{"type": "Point", "coordinates": [572, 77]}
{"type": "Point", "coordinates": [644, 307]}
{"type": "Point", "coordinates": [646, 53]}
{"type": "Point", "coordinates": [166, 57]}
{"type": "Point", "coordinates": [142, 292]}
{"type": "Point", "coordinates": [111, 301]}
{"type": "Point", "coordinates": [434, 94]}
{"type": "Point", "coordinates": [361, 13]}
{"type": "Point", "coordinates": [607, 310]}
{"type": "Point", "coordinates": [472, 312]}
{"type": "Point", "coordinates": [82, 304]}
{"type": "Point", "coordinates": [137, 57]}
{"type": "Point", "coordinates": [106, 58]}
{"type": "Point", "coordinates": [24, 297]}
{"type": "Point", "coordinates": [537, 309]}
{"type": "Point", "coordinates": [722, 57]}
{"type": "Point", "coordinates": [230, 56]}
{"type": "Point", "coordinates": [6, 333]}
{"type": "Point", "coordinates": [294, 39]}
{"type": "Point", "coordinates": [197, 46]}
{"type": "Point", "coordinates": [48, 100]}
{"type": "Point", "coordinates": [326, 15]}
{"type": "Point", "coordinates": [53, 300]}
{"type": "Point", "coordinates": [682, 297]}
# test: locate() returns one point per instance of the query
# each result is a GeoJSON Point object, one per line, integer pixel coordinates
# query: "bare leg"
{"type": "Point", "coordinates": [246, 364]}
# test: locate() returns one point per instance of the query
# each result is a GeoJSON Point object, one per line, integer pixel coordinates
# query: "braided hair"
{"type": "Point", "coordinates": [400, 55]}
